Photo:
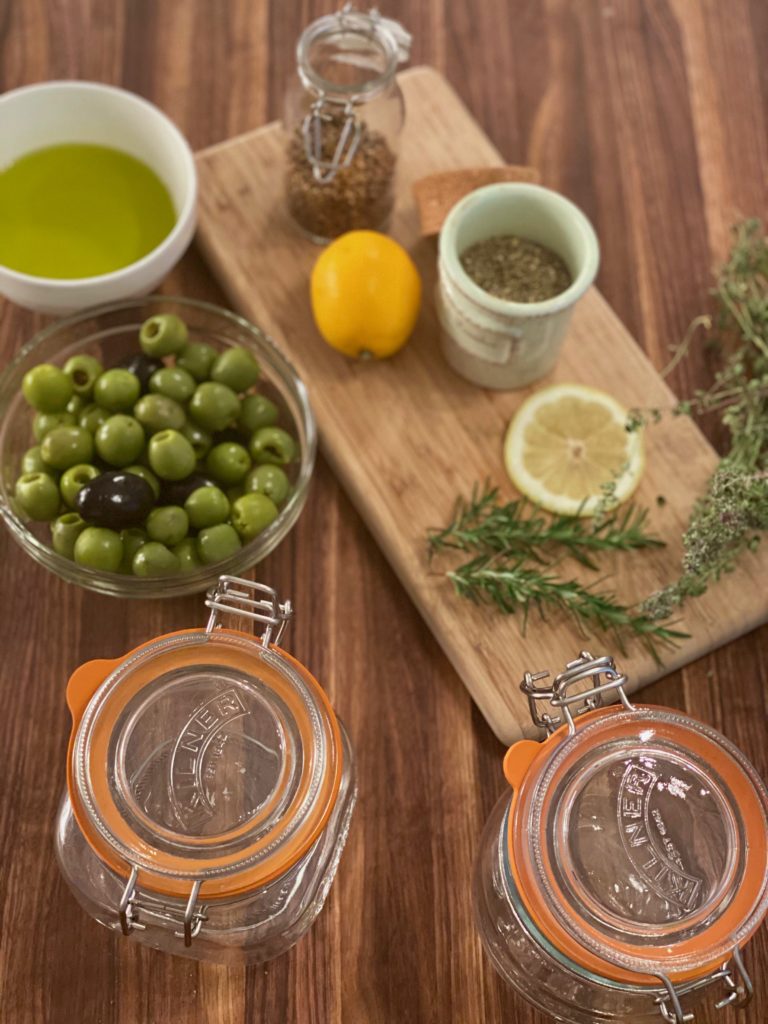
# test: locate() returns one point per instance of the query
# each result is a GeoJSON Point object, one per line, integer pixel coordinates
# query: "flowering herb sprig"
{"type": "Point", "coordinates": [729, 518]}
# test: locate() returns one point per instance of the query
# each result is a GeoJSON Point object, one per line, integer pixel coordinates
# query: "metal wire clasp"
{"type": "Point", "coordinates": [606, 677]}
{"type": "Point", "coordinates": [242, 597]}
{"type": "Point", "coordinates": [130, 906]}
{"type": "Point", "coordinates": [739, 990]}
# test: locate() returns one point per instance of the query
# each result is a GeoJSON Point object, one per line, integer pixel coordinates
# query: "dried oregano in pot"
{"type": "Point", "coordinates": [344, 114]}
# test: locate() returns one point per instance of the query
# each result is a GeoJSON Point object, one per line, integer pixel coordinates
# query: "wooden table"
{"type": "Point", "coordinates": [651, 114]}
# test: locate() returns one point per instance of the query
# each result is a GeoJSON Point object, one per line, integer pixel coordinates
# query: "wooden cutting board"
{"type": "Point", "coordinates": [406, 436]}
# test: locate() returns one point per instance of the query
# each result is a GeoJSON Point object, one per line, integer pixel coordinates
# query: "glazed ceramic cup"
{"type": "Point", "coordinates": [54, 113]}
{"type": "Point", "coordinates": [491, 341]}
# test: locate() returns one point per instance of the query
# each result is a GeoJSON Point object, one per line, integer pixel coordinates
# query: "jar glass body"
{"type": "Point", "coordinates": [343, 116]}
{"type": "Point", "coordinates": [249, 928]}
{"type": "Point", "coordinates": [542, 975]}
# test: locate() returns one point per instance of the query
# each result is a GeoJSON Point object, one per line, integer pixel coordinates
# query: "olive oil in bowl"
{"type": "Point", "coordinates": [77, 210]}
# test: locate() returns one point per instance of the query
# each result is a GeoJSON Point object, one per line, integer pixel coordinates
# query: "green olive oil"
{"type": "Point", "coordinates": [79, 210]}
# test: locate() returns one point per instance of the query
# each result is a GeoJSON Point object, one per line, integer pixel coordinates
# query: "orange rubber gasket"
{"type": "Point", "coordinates": [523, 871]}
{"type": "Point", "coordinates": [84, 683]}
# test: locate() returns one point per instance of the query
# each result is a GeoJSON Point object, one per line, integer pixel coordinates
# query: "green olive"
{"type": "Point", "coordinates": [120, 440]}
{"type": "Point", "coordinates": [64, 532]}
{"type": "Point", "coordinates": [215, 543]}
{"type": "Point", "coordinates": [63, 447]}
{"type": "Point", "coordinates": [159, 412]}
{"type": "Point", "coordinates": [99, 548]}
{"type": "Point", "coordinates": [200, 439]}
{"type": "Point", "coordinates": [133, 537]}
{"type": "Point", "coordinates": [83, 370]}
{"type": "Point", "coordinates": [75, 478]}
{"type": "Point", "coordinates": [213, 406]}
{"type": "Point", "coordinates": [257, 411]}
{"type": "Point", "coordinates": [117, 390]}
{"type": "Point", "coordinates": [228, 463]}
{"type": "Point", "coordinates": [237, 368]}
{"type": "Point", "coordinates": [163, 335]}
{"type": "Point", "coordinates": [173, 381]}
{"type": "Point", "coordinates": [38, 495]}
{"type": "Point", "coordinates": [47, 388]}
{"type": "Point", "coordinates": [171, 456]}
{"type": "Point", "coordinates": [206, 506]}
{"type": "Point", "coordinates": [167, 524]}
{"type": "Point", "coordinates": [197, 358]}
{"type": "Point", "coordinates": [45, 422]}
{"type": "Point", "coordinates": [32, 462]}
{"type": "Point", "coordinates": [270, 480]}
{"type": "Point", "coordinates": [186, 552]}
{"type": "Point", "coordinates": [92, 416]}
{"type": "Point", "coordinates": [273, 445]}
{"type": "Point", "coordinates": [253, 513]}
{"type": "Point", "coordinates": [154, 559]}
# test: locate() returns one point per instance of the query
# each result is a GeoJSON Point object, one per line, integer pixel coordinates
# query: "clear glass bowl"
{"type": "Point", "coordinates": [111, 332]}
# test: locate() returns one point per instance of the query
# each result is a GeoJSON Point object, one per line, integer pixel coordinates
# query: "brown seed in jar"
{"type": "Point", "coordinates": [357, 196]}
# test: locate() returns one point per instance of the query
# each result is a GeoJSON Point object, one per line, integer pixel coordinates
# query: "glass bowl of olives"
{"type": "Point", "coordinates": [149, 446]}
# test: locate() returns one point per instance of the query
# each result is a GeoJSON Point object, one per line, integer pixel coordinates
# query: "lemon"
{"type": "Point", "coordinates": [365, 292]}
{"type": "Point", "coordinates": [566, 442]}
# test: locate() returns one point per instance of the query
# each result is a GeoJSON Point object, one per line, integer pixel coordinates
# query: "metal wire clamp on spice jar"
{"type": "Point", "coordinates": [209, 787]}
{"type": "Point", "coordinates": [344, 114]}
{"type": "Point", "coordinates": [629, 867]}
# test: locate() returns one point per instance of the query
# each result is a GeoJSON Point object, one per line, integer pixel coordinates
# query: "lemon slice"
{"type": "Point", "coordinates": [566, 442]}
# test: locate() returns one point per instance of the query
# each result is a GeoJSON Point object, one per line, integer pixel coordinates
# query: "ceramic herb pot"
{"type": "Point", "coordinates": [494, 342]}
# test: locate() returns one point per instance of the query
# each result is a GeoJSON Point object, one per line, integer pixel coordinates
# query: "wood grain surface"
{"type": "Point", "coordinates": [406, 435]}
{"type": "Point", "coordinates": [652, 115]}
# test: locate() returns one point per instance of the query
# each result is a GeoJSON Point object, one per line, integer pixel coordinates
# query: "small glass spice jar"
{"type": "Point", "coordinates": [209, 787]}
{"type": "Point", "coordinates": [343, 115]}
{"type": "Point", "coordinates": [629, 867]}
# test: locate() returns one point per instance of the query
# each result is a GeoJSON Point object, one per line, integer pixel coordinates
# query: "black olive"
{"type": "Point", "coordinates": [176, 492]}
{"type": "Point", "coordinates": [230, 434]}
{"type": "Point", "coordinates": [140, 366]}
{"type": "Point", "coordinates": [116, 500]}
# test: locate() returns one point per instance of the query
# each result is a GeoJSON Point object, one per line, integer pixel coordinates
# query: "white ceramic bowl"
{"type": "Point", "coordinates": [53, 113]}
{"type": "Point", "coordinates": [494, 342]}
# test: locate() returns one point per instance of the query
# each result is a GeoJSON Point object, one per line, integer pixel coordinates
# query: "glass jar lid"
{"type": "Point", "coordinates": [208, 756]}
{"type": "Point", "coordinates": [638, 836]}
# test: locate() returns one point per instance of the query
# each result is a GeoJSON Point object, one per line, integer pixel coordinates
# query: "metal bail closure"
{"type": "Point", "coordinates": [601, 670]}
{"type": "Point", "coordinates": [325, 110]}
{"type": "Point", "coordinates": [237, 596]}
{"type": "Point", "coordinates": [323, 170]}
{"type": "Point", "coordinates": [130, 905]}
{"type": "Point", "coordinates": [739, 990]}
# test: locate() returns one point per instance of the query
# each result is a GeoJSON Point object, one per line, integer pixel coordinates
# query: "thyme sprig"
{"type": "Point", "coordinates": [510, 586]}
{"type": "Point", "coordinates": [730, 516]}
{"type": "Point", "coordinates": [484, 523]}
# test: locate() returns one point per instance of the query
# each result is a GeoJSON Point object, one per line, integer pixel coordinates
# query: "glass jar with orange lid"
{"type": "Point", "coordinates": [627, 870]}
{"type": "Point", "coordinates": [210, 787]}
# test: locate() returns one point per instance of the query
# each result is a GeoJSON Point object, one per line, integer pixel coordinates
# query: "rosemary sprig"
{"type": "Point", "coordinates": [509, 586]}
{"type": "Point", "coordinates": [483, 523]}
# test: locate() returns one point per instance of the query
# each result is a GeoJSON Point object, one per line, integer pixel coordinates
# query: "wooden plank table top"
{"type": "Point", "coordinates": [653, 116]}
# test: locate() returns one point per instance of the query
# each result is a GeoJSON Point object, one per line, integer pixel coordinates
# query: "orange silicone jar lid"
{"type": "Point", "coordinates": [202, 756]}
{"type": "Point", "coordinates": [638, 843]}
